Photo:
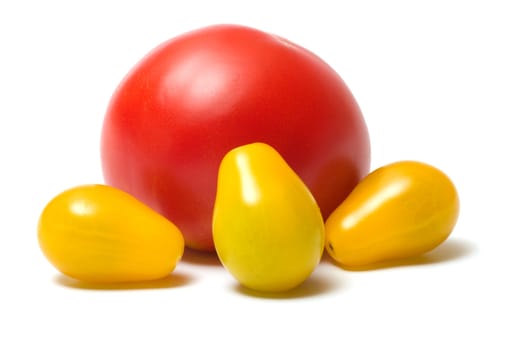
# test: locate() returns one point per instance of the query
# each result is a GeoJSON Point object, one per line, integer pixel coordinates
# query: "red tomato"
{"type": "Point", "coordinates": [199, 95]}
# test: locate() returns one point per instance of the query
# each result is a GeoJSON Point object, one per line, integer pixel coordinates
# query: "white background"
{"type": "Point", "coordinates": [443, 82]}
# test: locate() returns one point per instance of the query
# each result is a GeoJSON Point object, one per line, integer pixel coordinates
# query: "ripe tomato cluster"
{"type": "Point", "coordinates": [232, 140]}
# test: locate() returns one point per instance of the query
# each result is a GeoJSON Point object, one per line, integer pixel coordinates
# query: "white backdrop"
{"type": "Point", "coordinates": [441, 82]}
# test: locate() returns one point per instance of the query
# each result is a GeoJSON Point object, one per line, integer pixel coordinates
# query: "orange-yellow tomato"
{"type": "Point", "coordinates": [97, 233]}
{"type": "Point", "coordinates": [401, 210]}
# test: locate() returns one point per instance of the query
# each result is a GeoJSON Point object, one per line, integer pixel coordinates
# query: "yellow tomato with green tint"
{"type": "Point", "coordinates": [267, 228]}
{"type": "Point", "coordinates": [400, 210]}
{"type": "Point", "coordinates": [97, 233]}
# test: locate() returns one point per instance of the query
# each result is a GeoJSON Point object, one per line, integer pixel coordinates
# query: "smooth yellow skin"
{"type": "Point", "coordinates": [97, 233]}
{"type": "Point", "coordinates": [401, 210]}
{"type": "Point", "coordinates": [267, 228]}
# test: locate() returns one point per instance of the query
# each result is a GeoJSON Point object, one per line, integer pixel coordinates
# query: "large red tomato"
{"type": "Point", "coordinates": [197, 96]}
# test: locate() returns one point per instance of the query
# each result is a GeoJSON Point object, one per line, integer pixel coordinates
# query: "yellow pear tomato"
{"type": "Point", "coordinates": [97, 233]}
{"type": "Point", "coordinates": [401, 210]}
{"type": "Point", "coordinates": [267, 228]}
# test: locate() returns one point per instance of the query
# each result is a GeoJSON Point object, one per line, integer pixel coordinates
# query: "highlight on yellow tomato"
{"type": "Point", "coordinates": [400, 210]}
{"type": "Point", "coordinates": [97, 233]}
{"type": "Point", "coordinates": [267, 227]}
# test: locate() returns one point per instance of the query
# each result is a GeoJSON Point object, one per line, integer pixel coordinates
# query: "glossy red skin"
{"type": "Point", "coordinates": [197, 96]}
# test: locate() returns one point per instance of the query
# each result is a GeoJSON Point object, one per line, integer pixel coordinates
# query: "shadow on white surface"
{"type": "Point", "coordinates": [313, 286]}
{"type": "Point", "coordinates": [197, 257]}
{"type": "Point", "coordinates": [451, 250]}
{"type": "Point", "coordinates": [173, 280]}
